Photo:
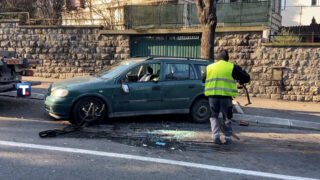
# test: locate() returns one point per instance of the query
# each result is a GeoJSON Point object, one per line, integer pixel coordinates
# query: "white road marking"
{"type": "Point", "coordinates": [154, 160]}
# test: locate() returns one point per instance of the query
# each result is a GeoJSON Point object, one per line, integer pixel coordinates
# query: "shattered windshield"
{"type": "Point", "coordinates": [114, 70]}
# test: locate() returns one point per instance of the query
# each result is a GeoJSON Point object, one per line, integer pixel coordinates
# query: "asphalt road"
{"type": "Point", "coordinates": [126, 149]}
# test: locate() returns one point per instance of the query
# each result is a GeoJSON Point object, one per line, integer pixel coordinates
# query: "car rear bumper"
{"type": "Point", "coordinates": [58, 108]}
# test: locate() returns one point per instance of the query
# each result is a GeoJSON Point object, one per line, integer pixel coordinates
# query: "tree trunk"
{"type": "Point", "coordinates": [207, 41]}
{"type": "Point", "coordinates": [208, 19]}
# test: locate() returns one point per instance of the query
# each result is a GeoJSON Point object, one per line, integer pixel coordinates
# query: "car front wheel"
{"type": "Point", "coordinates": [88, 110]}
{"type": "Point", "coordinates": [200, 111]}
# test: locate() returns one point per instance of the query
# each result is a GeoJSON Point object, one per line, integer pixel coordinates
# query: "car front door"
{"type": "Point", "coordinates": [143, 96]}
{"type": "Point", "coordinates": [179, 86]}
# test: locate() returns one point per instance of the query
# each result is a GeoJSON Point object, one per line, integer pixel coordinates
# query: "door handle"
{"type": "Point", "coordinates": [156, 88]}
{"type": "Point", "coordinates": [191, 86]}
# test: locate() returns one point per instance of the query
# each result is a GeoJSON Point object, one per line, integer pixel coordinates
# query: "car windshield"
{"type": "Point", "coordinates": [115, 70]}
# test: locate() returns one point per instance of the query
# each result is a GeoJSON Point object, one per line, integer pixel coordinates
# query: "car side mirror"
{"type": "Point", "coordinates": [125, 87]}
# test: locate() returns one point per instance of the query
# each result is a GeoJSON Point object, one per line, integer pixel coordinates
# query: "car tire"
{"type": "Point", "coordinates": [88, 111]}
{"type": "Point", "coordinates": [200, 111]}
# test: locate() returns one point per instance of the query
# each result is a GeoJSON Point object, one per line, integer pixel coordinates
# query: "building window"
{"type": "Point", "coordinates": [70, 5]}
{"type": "Point", "coordinates": [75, 4]}
{"type": "Point", "coordinates": [313, 2]}
{"type": "Point", "coordinates": [276, 6]}
{"type": "Point", "coordinates": [283, 4]}
{"type": "Point", "coordinates": [80, 3]}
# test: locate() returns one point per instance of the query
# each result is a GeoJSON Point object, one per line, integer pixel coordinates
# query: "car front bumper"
{"type": "Point", "coordinates": [59, 108]}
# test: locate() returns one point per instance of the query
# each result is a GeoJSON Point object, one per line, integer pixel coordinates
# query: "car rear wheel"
{"type": "Point", "coordinates": [88, 110]}
{"type": "Point", "coordinates": [200, 111]}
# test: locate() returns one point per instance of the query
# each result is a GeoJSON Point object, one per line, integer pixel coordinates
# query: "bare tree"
{"type": "Point", "coordinates": [51, 10]}
{"type": "Point", "coordinates": [107, 13]}
{"type": "Point", "coordinates": [208, 19]}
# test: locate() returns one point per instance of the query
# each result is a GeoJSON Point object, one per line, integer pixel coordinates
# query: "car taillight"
{"type": "Point", "coordinates": [28, 73]}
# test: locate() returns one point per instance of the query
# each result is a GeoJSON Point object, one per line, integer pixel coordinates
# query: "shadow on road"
{"type": "Point", "coordinates": [172, 132]}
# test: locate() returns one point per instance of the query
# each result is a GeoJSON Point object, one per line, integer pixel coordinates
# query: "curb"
{"type": "Point", "coordinates": [277, 122]}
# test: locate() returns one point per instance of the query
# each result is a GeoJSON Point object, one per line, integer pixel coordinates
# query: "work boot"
{"type": "Point", "coordinates": [217, 141]}
{"type": "Point", "coordinates": [228, 141]}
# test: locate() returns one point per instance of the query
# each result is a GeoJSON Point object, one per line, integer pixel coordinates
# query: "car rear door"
{"type": "Point", "coordinates": [179, 86]}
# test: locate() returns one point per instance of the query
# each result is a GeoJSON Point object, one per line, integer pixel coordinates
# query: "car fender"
{"type": "Point", "coordinates": [199, 95]}
{"type": "Point", "coordinates": [100, 96]}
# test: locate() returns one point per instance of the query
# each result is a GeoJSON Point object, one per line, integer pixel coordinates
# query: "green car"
{"type": "Point", "coordinates": [138, 86]}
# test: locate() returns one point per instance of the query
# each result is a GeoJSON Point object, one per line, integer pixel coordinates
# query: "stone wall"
{"type": "Point", "coordinates": [290, 73]}
{"type": "Point", "coordinates": [277, 72]}
{"type": "Point", "coordinates": [64, 52]}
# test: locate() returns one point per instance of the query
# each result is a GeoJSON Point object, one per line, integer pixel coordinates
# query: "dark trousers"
{"type": "Point", "coordinates": [221, 104]}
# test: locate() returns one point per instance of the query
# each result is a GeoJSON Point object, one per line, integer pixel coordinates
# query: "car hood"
{"type": "Point", "coordinates": [78, 81]}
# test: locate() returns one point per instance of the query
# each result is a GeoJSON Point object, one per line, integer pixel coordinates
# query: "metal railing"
{"type": "Point", "coordinates": [24, 17]}
{"type": "Point", "coordinates": [185, 15]}
{"type": "Point", "coordinates": [296, 38]}
{"type": "Point", "coordinates": [167, 16]}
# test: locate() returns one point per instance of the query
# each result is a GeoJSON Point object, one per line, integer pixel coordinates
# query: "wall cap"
{"type": "Point", "coordinates": [193, 30]}
{"type": "Point", "coordinates": [59, 27]}
{"type": "Point", "coordinates": [291, 44]}
{"type": "Point", "coordinates": [9, 20]}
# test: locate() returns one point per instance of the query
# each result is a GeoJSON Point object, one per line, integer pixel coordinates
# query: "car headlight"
{"type": "Point", "coordinates": [59, 93]}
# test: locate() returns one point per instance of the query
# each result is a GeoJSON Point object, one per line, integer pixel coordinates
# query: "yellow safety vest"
{"type": "Point", "coordinates": [219, 80]}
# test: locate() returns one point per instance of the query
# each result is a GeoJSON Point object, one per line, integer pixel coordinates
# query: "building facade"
{"type": "Point", "coordinates": [299, 12]}
{"type": "Point", "coordinates": [131, 14]}
{"type": "Point", "coordinates": [108, 13]}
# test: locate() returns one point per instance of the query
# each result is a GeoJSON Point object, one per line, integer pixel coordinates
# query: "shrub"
{"type": "Point", "coordinates": [287, 37]}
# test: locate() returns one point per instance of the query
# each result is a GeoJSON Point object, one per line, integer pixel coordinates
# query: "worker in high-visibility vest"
{"type": "Point", "coordinates": [220, 87]}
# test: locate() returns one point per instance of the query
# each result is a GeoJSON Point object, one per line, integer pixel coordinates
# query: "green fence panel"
{"type": "Point", "coordinates": [152, 16]}
{"type": "Point", "coordinates": [178, 48]}
{"type": "Point", "coordinates": [229, 13]}
{"type": "Point", "coordinates": [172, 16]}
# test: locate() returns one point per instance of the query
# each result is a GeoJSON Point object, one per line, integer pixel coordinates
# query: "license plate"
{"type": "Point", "coordinates": [13, 62]}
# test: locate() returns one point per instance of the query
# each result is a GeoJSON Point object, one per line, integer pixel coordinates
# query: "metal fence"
{"type": "Point", "coordinates": [295, 38]}
{"type": "Point", "coordinates": [153, 16]}
{"type": "Point", "coordinates": [297, 34]}
{"type": "Point", "coordinates": [24, 17]}
{"type": "Point", "coordinates": [185, 15]}
{"type": "Point", "coordinates": [166, 16]}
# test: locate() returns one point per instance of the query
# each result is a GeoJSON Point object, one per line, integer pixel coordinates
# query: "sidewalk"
{"type": "Point", "coordinates": [290, 114]}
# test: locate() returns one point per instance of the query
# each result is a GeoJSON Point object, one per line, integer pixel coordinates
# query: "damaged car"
{"type": "Point", "coordinates": [134, 87]}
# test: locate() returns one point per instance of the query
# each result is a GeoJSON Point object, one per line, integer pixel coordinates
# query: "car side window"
{"type": "Point", "coordinates": [144, 73]}
{"type": "Point", "coordinates": [200, 68]}
{"type": "Point", "coordinates": [179, 72]}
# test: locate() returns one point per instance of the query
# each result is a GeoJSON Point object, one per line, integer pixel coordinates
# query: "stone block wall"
{"type": "Point", "coordinates": [289, 73]}
{"type": "Point", "coordinates": [64, 52]}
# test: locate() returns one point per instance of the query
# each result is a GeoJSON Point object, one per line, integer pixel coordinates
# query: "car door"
{"type": "Point", "coordinates": [144, 94]}
{"type": "Point", "coordinates": [179, 86]}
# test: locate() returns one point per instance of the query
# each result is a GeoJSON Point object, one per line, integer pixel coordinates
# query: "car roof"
{"type": "Point", "coordinates": [172, 59]}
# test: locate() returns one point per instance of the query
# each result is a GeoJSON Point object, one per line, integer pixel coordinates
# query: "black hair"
{"type": "Point", "coordinates": [223, 54]}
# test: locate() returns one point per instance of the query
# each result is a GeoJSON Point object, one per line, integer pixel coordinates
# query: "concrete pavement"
{"type": "Point", "coordinates": [279, 113]}
{"type": "Point", "coordinates": [277, 122]}
{"type": "Point", "coordinates": [94, 152]}
{"type": "Point", "coordinates": [280, 152]}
